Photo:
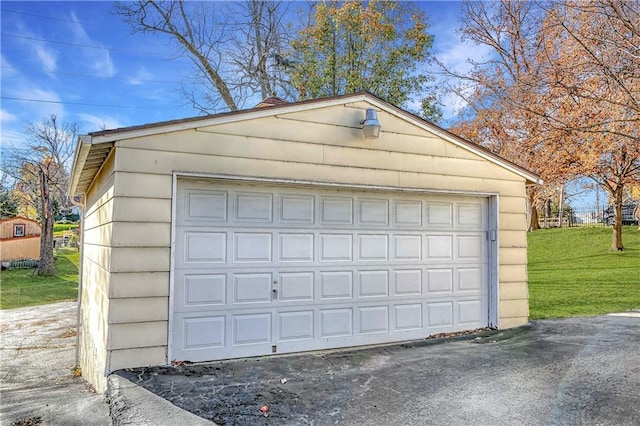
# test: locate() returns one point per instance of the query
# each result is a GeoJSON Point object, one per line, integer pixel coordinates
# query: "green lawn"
{"type": "Point", "coordinates": [22, 287]}
{"type": "Point", "coordinates": [572, 272]}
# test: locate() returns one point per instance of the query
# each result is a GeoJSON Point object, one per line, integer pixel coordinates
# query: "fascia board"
{"type": "Point", "coordinates": [224, 119]}
{"type": "Point", "coordinates": [82, 153]}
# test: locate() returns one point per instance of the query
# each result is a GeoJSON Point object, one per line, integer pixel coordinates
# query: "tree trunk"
{"type": "Point", "coordinates": [617, 222]}
{"type": "Point", "coordinates": [45, 265]}
{"type": "Point", "coordinates": [561, 206]}
{"type": "Point", "coordinates": [534, 221]}
{"type": "Point", "coordinates": [257, 9]}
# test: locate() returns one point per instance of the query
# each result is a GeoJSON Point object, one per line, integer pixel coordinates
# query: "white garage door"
{"type": "Point", "coordinates": [272, 269]}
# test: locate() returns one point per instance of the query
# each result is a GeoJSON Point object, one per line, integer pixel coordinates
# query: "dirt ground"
{"type": "Point", "coordinates": [37, 360]}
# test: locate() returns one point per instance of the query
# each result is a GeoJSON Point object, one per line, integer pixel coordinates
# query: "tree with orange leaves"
{"type": "Point", "coordinates": [561, 92]}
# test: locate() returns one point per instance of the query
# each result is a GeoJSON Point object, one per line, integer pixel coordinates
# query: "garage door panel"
{"type": "Point", "coordinates": [470, 280]}
{"type": "Point", "coordinates": [439, 214]}
{"type": "Point", "coordinates": [408, 282]}
{"type": "Point", "coordinates": [297, 325]}
{"type": "Point", "coordinates": [407, 248]}
{"type": "Point", "coordinates": [407, 213]}
{"type": "Point", "coordinates": [249, 329]}
{"type": "Point", "coordinates": [252, 247]}
{"type": "Point", "coordinates": [336, 322]}
{"type": "Point", "coordinates": [336, 211]}
{"type": "Point", "coordinates": [373, 283]}
{"type": "Point", "coordinates": [253, 207]}
{"type": "Point", "coordinates": [336, 285]}
{"type": "Point", "coordinates": [252, 288]}
{"type": "Point", "coordinates": [470, 216]}
{"type": "Point", "coordinates": [373, 212]}
{"type": "Point", "coordinates": [439, 281]}
{"type": "Point", "coordinates": [205, 206]}
{"type": "Point", "coordinates": [297, 209]}
{"type": "Point", "coordinates": [408, 317]}
{"type": "Point", "coordinates": [204, 332]}
{"type": "Point", "coordinates": [336, 247]}
{"type": "Point", "coordinates": [470, 247]}
{"type": "Point", "coordinates": [300, 285]}
{"type": "Point", "coordinates": [272, 269]}
{"type": "Point", "coordinates": [373, 319]}
{"type": "Point", "coordinates": [373, 247]}
{"type": "Point", "coordinates": [470, 312]}
{"type": "Point", "coordinates": [205, 247]}
{"type": "Point", "coordinates": [296, 247]}
{"type": "Point", "coordinates": [440, 314]}
{"type": "Point", "coordinates": [439, 247]}
{"type": "Point", "coordinates": [296, 287]}
{"type": "Point", "coordinates": [204, 289]}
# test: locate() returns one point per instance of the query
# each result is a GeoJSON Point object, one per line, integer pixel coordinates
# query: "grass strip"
{"type": "Point", "coordinates": [22, 287]}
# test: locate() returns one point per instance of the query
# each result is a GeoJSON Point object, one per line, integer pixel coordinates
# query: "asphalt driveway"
{"type": "Point", "coordinates": [553, 372]}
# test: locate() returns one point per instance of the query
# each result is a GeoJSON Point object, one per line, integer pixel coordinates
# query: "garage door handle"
{"type": "Point", "coordinates": [275, 293]}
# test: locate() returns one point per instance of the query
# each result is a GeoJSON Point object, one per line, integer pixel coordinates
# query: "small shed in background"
{"type": "Point", "coordinates": [19, 239]}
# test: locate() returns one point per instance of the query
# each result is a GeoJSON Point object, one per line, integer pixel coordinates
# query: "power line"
{"type": "Point", "coordinates": [51, 18]}
{"type": "Point", "coordinates": [86, 46]}
{"type": "Point", "coordinates": [100, 76]}
{"type": "Point", "coordinates": [80, 103]}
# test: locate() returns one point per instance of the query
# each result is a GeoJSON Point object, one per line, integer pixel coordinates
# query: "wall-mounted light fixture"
{"type": "Point", "coordinates": [371, 125]}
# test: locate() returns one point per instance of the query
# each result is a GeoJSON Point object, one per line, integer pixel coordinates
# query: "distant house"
{"type": "Point", "coordinates": [291, 227]}
{"type": "Point", "coordinates": [19, 239]}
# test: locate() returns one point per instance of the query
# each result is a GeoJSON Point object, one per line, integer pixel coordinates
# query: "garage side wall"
{"type": "Point", "coordinates": [96, 265]}
{"type": "Point", "coordinates": [320, 145]}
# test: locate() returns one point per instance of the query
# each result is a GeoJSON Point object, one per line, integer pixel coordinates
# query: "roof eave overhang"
{"type": "Point", "coordinates": [87, 161]}
{"type": "Point", "coordinates": [236, 116]}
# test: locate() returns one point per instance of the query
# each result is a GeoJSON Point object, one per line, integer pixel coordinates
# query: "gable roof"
{"type": "Point", "coordinates": [93, 149]}
{"type": "Point", "coordinates": [21, 219]}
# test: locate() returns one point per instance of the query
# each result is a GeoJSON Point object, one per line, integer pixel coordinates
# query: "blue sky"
{"type": "Point", "coordinates": [77, 60]}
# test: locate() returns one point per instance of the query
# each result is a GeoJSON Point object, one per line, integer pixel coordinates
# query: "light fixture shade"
{"type": "Point", "coordinates": [371, 125]}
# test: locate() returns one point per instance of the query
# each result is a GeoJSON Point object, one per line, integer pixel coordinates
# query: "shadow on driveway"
{"type": "Point", "coordinates": [569, 371]}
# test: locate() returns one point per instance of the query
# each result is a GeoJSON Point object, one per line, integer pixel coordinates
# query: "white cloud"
{"type": "Point", "coordinates": [140, 76]}
{"type": "Point", "coordinates": [456, 55]}
{"type": "Point", "coordinates": [40, 103]}
{"type": "Point", "coordinates": [6, 116]}
{"type": "Point", "coordinates": [47, 58]}
{"type": "Point", "coordinates": [99, 60]}
{"type": "Point", "coordinates": [8, 69]}
{"type": "Point", "coordinates": [46, 55]}
{"type": "Point", "coordinates": [451, 51]}
{"type": "Point", "coordinates": [94, 123]}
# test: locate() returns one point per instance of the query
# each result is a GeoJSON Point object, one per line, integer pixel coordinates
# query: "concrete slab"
{"type": "Point", "coordinates": [134, 405]}
{"type": "Point", "coordinates": [37, 358]}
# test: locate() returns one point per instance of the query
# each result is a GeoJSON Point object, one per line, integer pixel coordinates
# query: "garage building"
{"type": "Point", "coordinates": [284, 228]}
